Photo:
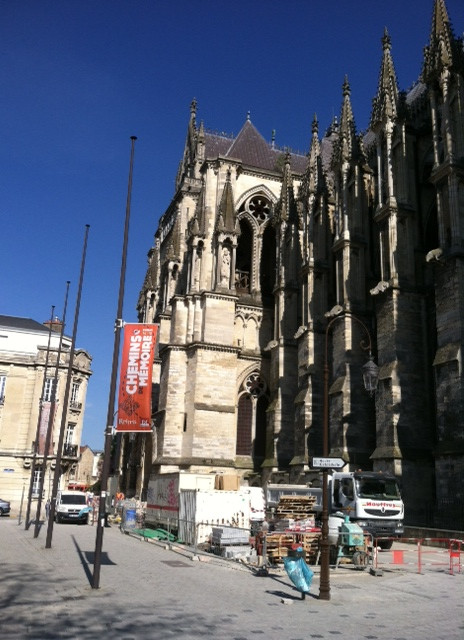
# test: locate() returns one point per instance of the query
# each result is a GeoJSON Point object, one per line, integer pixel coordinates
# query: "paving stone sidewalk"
{"type": "Point", "coordinates": [151, 592]}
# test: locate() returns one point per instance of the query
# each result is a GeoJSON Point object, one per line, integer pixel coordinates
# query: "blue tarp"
{"type": "Point", "coordinates": [298, 572]}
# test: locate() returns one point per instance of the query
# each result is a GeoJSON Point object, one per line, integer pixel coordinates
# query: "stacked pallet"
{"type": "Point", "coordinates": [277, 546]}
{"type": "Point", "coordinates": [310, 543]}
{"type": "Point", "coordinates": [295, 507]}
{"type": "Point", "coordinates": [290, 511]}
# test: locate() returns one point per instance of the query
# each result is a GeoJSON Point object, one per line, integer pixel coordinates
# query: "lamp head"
{"type": "Point", "coordinates": [370, 375]}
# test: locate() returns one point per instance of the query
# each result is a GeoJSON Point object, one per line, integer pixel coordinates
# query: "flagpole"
{"type": "Point", "coordinates": [51, 417]}
{"type": "Point", "coordinates": [64, 413]}
{"type": "Point", "coordinates": [35, 444]}
{"type": "Point", "coordinates": [112, 392]}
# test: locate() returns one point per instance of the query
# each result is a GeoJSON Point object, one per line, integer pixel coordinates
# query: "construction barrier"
{"type": "Point", "coordinates": [443, 554]}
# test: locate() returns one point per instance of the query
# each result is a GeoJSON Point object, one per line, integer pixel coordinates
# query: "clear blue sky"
{"type": "Point", "coordinates": [79, 77]}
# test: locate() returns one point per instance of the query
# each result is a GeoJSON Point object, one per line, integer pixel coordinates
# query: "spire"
{"type": "Point", "coordinates": [192, 128]}
{"type": "Point", "coordinates": [443, 51]}
{"type": "Point", "coordinates": [286, 207]}
{"type": "Point", "coordinates": [385, 103]}
{"type": "Point", "coordinates": [151, 277]}
{"type": "Point", "coordinates": [188, 160]}
{"type": "Point", "coordinates": [346, 118]}
{"type": "Point", "coordinates": [226, 212]}
{"type": "Point", "coordinates": [314, 157]}
{"type": "Point", "coordinates": [197, 225]}
{"type": "Point", "coordinates": [315, 126]}
{"type": "Point", "coordinates": [200, 143]}
{"type": "Point", "coordinates": [193, 111]}
{"type": "Point", "coordinates": [311, 177]}
{"type": "Point", "coordinates": [173, 247]}
{"type": "Point", "coordinates": [347, 128]}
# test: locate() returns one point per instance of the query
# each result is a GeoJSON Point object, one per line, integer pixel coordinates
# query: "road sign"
{"type": "Point", "coordinates": [328, 463]}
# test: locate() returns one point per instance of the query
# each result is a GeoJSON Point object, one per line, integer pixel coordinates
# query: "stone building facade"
{"type": "Point", "coordinates": [26, 402]}
{"type": "Point", "coordinates": [87, 471]}
{"type": "Point", "coordinates": [258, 244]}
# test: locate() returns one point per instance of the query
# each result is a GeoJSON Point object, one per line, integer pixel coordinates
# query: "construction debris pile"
{"type": "Point", "coordinates": [294, 524]}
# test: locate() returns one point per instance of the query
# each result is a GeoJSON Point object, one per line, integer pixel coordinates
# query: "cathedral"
{"type": "Point", "coordinates": [270, 267]}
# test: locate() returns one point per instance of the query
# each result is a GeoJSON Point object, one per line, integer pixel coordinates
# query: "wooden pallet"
{"type": "Point", "coordinates": [278, 545]}
{"type": "Point", "coordinates": [295, 507]}
{"type": "Point", "coordinates": [310, 543]}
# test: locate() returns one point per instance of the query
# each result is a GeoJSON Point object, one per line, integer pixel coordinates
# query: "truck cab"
{"type": "Point", "coordinates": [372, 500]}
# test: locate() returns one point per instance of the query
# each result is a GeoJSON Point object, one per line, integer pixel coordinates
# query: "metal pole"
{"type": "Point", "coordinates": [21, 506]}
{"type": "Point", "coordinates": [35, 444]}
{"type": "Point", "coordinates": [112, 392]}
{"type": "Point", "coordinates": [324, 584]}
{"type": "Point", "coordinates": [64, 414]}
{"type": "Point", "coordinates": [51, 417]}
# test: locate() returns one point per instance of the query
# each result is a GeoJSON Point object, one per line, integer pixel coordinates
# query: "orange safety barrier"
{"type": "Point", "coordinates": [455, 555]}
{"type": "Point", "coordinates": [425, 554]}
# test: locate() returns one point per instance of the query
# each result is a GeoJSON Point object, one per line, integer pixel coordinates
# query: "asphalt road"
{"type": "Point", "coordinates": [152, 592]}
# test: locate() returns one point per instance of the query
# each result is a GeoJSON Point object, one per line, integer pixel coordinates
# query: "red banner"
{"type": "Point", "coordinates": [134, 402]}
{"type": "Point", "coordinates": [43, 428]}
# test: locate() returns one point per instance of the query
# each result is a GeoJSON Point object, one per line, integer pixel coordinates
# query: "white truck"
{"type": "Point", "coordinates": [370, 499]}
{"type": "Point", "coordinates": [71, 506]}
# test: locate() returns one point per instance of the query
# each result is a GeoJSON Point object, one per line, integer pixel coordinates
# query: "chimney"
{"type": "Point", "coordinates": [55, 324]}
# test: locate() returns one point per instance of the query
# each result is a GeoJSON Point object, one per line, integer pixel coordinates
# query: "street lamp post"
{"type": "Point", "coordinates": [370, 377]}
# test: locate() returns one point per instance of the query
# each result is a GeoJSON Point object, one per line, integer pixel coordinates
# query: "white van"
{"type": "Point", "coordinates": [71, 506]}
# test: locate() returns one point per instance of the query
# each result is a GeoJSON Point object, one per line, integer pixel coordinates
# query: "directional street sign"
{"type": "Point", "coordinates": [328, 463]}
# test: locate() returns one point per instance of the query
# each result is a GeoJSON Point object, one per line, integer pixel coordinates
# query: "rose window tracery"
{"type": "Point", "coordinates": [255, 385]}
{"type": "Point", "coordinates": [259, 207]}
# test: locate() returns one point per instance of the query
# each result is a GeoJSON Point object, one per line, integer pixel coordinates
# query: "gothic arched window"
{"type": "Point", "coordinates": [244, 258]}
{"type": "Point", "coordinates": [267, 274]}
{"type": "Point", "coordinates": [251, 419]}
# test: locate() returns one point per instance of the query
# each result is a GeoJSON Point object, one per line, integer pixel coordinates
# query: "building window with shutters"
{"type": "Point", "coordinates": [70, 449]}
{"type": "Point", "coordinates": [75, 393]}
{"type": "Point", "coordinates": [36, 482]}
{"type": "Point", "coordinates": [48, 389]}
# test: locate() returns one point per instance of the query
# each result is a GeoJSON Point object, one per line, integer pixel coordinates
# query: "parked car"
{"type": "Point", "coordinates": [4, 507]}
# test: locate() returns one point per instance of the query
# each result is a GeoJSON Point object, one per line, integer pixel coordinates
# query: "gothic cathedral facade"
{"type": "Point", "coordinates": [258, 244]}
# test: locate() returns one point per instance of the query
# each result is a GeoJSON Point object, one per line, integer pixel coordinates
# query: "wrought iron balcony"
{"type": "Point", "coordinates": [70, 450]}
{"type": "Point", "coordinates": [2, 400]}
{"type": "Point", "coordinates": [75, 405]}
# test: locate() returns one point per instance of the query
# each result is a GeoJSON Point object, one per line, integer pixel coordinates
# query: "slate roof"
{"type": "Point", "coordinates": [24, 324]}
{"type": "Point", "coordinates": [416, 92]}
{"type": "Point", "coordinates": [252, 150]}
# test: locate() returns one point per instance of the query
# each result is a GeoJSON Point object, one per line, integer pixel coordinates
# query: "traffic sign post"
{"type": "Point", "coordinates": [328, 463]}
